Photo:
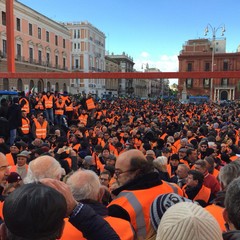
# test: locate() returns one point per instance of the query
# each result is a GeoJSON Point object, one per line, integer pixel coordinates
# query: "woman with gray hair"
{"type": "Point", "coordinates": [160, 164]}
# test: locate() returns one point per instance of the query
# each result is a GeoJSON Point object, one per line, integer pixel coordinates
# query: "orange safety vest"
{"type": "Point", "coordinates": [69, 108]}
{"type": "Point", "coordinates": [203, 194]}
{"type": "Point", "coordinates": [10, 159]}
{"type": "Point", "coordinates": [83, 119]}
{"type": "Point", "coordinates": [122, 227]}
{"type": "Point", "coordinates": [59, 108]}
{"type": "Point", "coordinates": [90, 104]}
{"type": "Point", "coordinates": [41, 130]}
{"type": "Point", "coordinates": [25, 126]}
{"type": "Point", "coordinates": [26, 106]}
{"type": "Point", "coordinates": [48, 101]}
{"type": "Point", "coordinates": [217, 213]}
{"type": "Point", "coordinates": [39, 104]}
{"type": "Point", "coordinates": [138, 202]}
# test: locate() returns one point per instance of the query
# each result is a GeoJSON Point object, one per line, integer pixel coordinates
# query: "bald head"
{"type": "Point", "coordinates": [44, 167]}
{"type": "Point", "coordinates": [84, 184]}
{"type": "Point", "coordinates": [130, 165]}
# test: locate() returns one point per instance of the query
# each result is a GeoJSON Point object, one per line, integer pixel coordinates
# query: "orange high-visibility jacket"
{"type": "Point", "coordinates": [138, 202]}
{"type": "Point", "coordinates": [90, 104]}
{"type": "Point", "coordinates": [25, 125]}
{"type": "Point", "coordinates": [26, 106]}
{"type": "Point", "coordinates": [59, 108]}
{"type": "Point", "coordinates": [48, 101]}
{"type": "Point", "coordinates": [10, 159]}
{"type": "Point", "coordinates": [122, 227]}
{"type": "Point", "coordinates": [41, 130]}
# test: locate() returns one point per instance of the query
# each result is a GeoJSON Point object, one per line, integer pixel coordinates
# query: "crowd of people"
{"type": "Point", "coordinates": [76, 168]}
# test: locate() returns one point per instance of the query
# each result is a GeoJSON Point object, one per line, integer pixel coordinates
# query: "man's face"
{"type": "Point", "coordinates": [174, 162]}
{"type": "Point", "coordinates": [203, 148]}
{"type": "Point", "coordinates": [21, 161]}
{"type": "Point", "coordinates": [199, 168]}
{"type": "Point", "coordinates": [181, 154]}
{"type": "Point", "coordinates": [105, 153]}
{"type": "Point", "coordinates": [14, 150]}
{"type": "Point", "coordinates": [104, 179]}
{"type": "Point", "coordinates": [181, 173]}
{"type": "Point", "coordinates": [193, 156]}
{"type": "Point", "coordinates": [123, 172]}
{"type": "Point", "coordinates": [190, 181]}
{"type": "Point", "coordinates": [4, 168]}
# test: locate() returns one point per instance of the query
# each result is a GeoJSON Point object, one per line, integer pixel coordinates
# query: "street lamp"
{"type": "Point", "coordinates": [214, 32]}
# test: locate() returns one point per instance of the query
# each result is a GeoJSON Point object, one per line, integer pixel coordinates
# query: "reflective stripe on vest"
{"type": "Point", "coordinates": [83, 119]}
{"type": "Point", "coordinates": [41, 130]}
{"type": "Point", "coordinates": [139, 201]}
{"type": "Point", "coordinates": [90, 104]}
{"type": "Point", "coordinates": [60, 108]}
{"type": "Point", "coordinates": [39, 104]}
{"type": "Point", "coordinates": [25, 125]}
{"type": "Point", "coordinates": [69, 108]}
{"type": "Point", "coordinates": [48, 101]}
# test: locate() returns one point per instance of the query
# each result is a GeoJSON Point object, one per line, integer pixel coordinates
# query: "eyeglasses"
{"type": "Point", "coordinates": [119, 172]}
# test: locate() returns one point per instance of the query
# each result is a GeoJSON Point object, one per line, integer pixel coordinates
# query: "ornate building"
{"type": "Point", "coordinates": [41, 45]}
{"type": "Point", "coordinates": [201, 55]}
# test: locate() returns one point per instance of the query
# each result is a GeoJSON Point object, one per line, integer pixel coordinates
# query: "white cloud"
{"type": "Point", "coordinates": [164, 63]}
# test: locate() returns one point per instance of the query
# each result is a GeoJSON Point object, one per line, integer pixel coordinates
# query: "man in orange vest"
{"type": "Point", "coordinates": [48, 102]}
{"type": "Point", "coordinates": [40, 127]}
{"type": "Point", "coordinates": [86, 187]}
{"type": "Point", "coordinates": [39, 107]}
{"type": "Point", "coordinates": [195, 190]}
{"type": "Point", "coordinates": [25, 129]}
{"type": "Point", "coordinates": [139, 186]}
{"type": "Point", "coordinates": [59, 112]}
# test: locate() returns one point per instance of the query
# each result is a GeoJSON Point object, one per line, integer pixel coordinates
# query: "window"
{"type": "Point", "coordinates": [78, 33]}
{"type": "Point", "coordinates": [19, 52]}
{"type": "Point", "coordinates": [48, 58]}
{"type": "Point", "coordinates": [75, 45]}
{"type": "Point", "coordinates": [3, 18]}
{"type": "Point", "coordinates": [225, 65]}
{"type": "Point", "coordinates": [189, 83]}
{"type": "Point", "coordinates": [4, 47]}
{"type": "Point", "coordinates": [56, 61]}
{"type": "Point", "coordinates": [30, 30]}
{"type": "Point", "coordinates": [189, 67]}
{"type": "Point", "coordinates": [39, 56]}
{"type": "Point", "coordinates": [75, 33]}
{"type": "Point", "coordinates": [56, 40]}
{"type": "Point", "coordinates": [30, 54]}
{"type": "Point", "coordinates": [206, 82]}
{"type": "Point", "coordinates": [47, 36]}
{"type": "Point", "coordinates": [207, 66]}
{"type": "Point", "coordinates": [76, 63]}
{"type": "Point", "coordinates": [224, 82]}
{"type": "Point", "coordinates": [64, 43]}
{"type": "Point", "coordinates": [64, 63]}
{"type": "Point", "coordinates": [39, 33]}
{"type": "Point", "coordinates": [18, 24]}
{"type": "Point", "coordinates": [78, 45]}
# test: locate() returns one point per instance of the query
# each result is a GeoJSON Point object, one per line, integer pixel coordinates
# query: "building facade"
{"type": "Point", "coordinates": [87, 55]}
{"type": "Point", "coordinates": [201, 55]}
{"type": "Point", "coordinates": [41, 45]}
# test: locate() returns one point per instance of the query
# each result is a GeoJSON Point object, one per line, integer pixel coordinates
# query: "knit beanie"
{"type": "Point", "coordinates": [188, 221]}
{"type": "Point", "coordinates": [161, 204]}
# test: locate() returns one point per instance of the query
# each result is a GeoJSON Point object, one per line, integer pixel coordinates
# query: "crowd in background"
{"type": "Point", "coordinates": [131, 151]}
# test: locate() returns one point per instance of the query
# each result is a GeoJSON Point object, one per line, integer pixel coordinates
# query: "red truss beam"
{"type": "Point", "coordinates": [112, 75]}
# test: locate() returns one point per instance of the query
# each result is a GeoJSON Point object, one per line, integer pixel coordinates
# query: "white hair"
{"type": "Point", "coordinates": [160, 162]}
{"type": "Point", "coordinates": [84, 184]}
{"type": "Point", "coordinates": [44, 167]}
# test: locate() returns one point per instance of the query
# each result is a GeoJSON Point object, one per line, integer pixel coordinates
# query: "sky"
{"type": "Point", "coordinates": [152, 32]}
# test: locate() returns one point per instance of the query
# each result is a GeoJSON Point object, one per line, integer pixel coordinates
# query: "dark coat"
{"type": "Point", "coordinates": [231, 235]}
{"type": "Point", "coordinates": [14, 116]}
{"type": "Point", "coordinates": [92, 225]}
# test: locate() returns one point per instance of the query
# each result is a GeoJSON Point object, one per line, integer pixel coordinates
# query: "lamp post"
{"type": "Point", "coordinates": [214, 32]}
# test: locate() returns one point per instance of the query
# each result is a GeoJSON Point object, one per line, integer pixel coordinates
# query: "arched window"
{"type": "Point", "coordinates": [57, 87]}
{"type": "Point", "coordinates": [48, 86]}
{"type": "Point", "coordinates": [64, 87]}
{"type": "Point", "coordinates": [19, 85]}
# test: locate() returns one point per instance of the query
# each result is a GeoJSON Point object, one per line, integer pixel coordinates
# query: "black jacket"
{"type": "Point", "coordinates": [231, 235]}
{"type": "Point", "coordinates": [92, 225]}
{"type": "Point", "coordinates": [14, 116]}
